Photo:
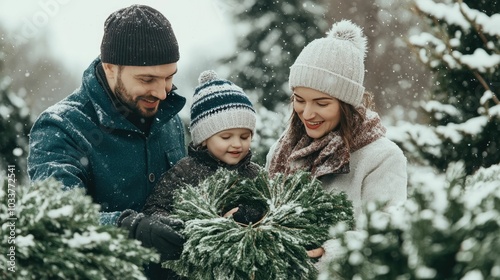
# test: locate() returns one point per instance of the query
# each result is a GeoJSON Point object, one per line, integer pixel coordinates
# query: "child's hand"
{"type": "Point", "coordinates": [231, 212]}
{"type": "Point", "coordinates": [316, 253]}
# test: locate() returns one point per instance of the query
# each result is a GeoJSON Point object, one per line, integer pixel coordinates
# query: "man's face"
{"type": "Point", "coordinates": [141, 88]}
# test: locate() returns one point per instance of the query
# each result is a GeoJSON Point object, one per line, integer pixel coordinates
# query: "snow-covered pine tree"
{"type": "Point", "coordinates": [270, 35]}
{"type": "Point", "coordinates": [462, 49]}
{"type": "Point", "coordinates": [57, 236]}
{"type": "Point", "coordinates": [449, 232]}
{"type": "Point", "coordinates": [295, 215]}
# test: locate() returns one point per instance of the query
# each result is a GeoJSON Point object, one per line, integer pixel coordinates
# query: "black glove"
{"type": "Point", "coordinates": [154, 231]}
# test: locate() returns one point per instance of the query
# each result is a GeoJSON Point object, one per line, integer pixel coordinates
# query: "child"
{"type": "Point", "coordinates": [222, 126]}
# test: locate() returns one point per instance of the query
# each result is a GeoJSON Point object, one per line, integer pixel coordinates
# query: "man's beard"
{"type": "Point", "coordinates": [130, 103]}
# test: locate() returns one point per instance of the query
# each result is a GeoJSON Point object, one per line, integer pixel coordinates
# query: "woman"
{"type": "Point", "coordinates": [332, 131]}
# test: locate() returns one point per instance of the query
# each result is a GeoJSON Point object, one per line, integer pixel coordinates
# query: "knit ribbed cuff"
{"type": "Point", "coordinates": [339, 87]}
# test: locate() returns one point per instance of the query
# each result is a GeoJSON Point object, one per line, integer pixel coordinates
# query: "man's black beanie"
{"type": "Point", "coordinates": [138, 36]}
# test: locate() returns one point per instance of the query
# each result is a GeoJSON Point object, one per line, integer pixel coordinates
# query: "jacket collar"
{"type": "Point", "coordinates": [109, 116]}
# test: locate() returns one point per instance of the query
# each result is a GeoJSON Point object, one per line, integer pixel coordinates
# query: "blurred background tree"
{"type": "Point", "coordinates": [30, 81]}
{"type": "Point", "coordinates": [15, 124]}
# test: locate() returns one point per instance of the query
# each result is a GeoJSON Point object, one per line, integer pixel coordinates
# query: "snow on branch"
{"type": "Point", "coordinates": [416, 138]}
{"type": "Point", "coordinates": [455, 132]}
{"type": "Point", "coordinates": [438, 107]}
{"type": "Point", "coordinates": [477, 18]}
{"type": "Point", "coordinates": [481, 61]}
{"type": "Point", "coordinates": [490, 24]}
{"type": "Point", "coordinates": [495, 111]}
{"type": "Point", "coordinates": [452, 15]}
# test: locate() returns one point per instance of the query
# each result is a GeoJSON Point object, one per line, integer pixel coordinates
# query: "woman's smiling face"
{"type": "Point", "coordinates": [319, 112]}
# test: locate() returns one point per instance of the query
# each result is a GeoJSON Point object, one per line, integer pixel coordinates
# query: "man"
{"type": "Point", "coordinates": [119, 131]}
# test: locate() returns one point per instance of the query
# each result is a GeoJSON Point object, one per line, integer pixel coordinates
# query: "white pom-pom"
{"type": "Point", "coordinates": [207, 76]}
{"type": "Point", "coordinates": [346, 30]}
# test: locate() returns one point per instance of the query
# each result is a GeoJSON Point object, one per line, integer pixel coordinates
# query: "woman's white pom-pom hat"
{"type": "Point", "coordinates": [334, 64]}
{"type": "Point", "coordinates": [218, 105]}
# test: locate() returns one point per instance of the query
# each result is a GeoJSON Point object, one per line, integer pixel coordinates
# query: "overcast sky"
{"type": "Point", "coordinates": [75, 28]}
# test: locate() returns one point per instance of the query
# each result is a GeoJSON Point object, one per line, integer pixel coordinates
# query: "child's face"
{"type": "Point", "coordinates": [231, 145]}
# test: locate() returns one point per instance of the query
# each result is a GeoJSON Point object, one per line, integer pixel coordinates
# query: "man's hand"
{"type": "Point", "coordinates": [154, 231]}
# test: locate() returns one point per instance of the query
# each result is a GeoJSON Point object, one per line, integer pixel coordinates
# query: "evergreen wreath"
{"type": "Point", "coordinates": [282, 218]}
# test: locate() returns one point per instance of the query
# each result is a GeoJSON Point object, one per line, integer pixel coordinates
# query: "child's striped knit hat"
{"type": "Point", "coordinates": [218, 105]}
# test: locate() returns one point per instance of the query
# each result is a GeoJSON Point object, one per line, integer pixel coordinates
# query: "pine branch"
{"type": "Point", "coordinates": [58, 236]}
